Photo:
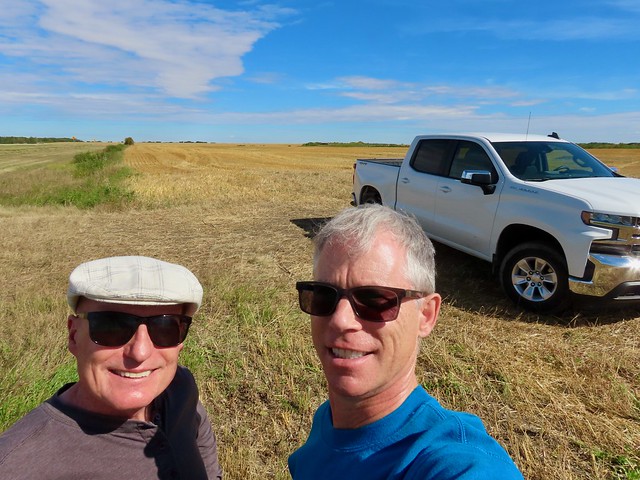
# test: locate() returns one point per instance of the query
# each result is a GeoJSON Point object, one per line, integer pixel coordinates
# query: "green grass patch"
{"type": "Point", "coordinates": [36, 391]}
{"type": "Point", "coordinates": [622, 467]}
{"type": "Point", "coordinates": [34, 359]}
{"type": "Point", "coordinates": [90, 179]}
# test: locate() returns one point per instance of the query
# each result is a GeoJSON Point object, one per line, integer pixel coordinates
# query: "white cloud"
{"type": "Point", "coordinates": [555, 21]}
{"type": "Point", "coordinates": [527, 103]}
{"type": "Point", "coordinates": [628, 5]}
{"type": "Point", "coordinates": [388, 91]}
{"type": "Point", "coordinates": [368, 83]}
{"type": "Point", "coordinates": [178, 48]}
{"type": "Point", "coordinates": [267, 78]}
{"type": "Point", "coordinates": [577, 28]}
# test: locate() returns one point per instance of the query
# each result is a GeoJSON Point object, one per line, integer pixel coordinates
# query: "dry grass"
{"type": "Point", "coordinates": [627, 161]}
{"type": "Point", "coordinates": [19, 156]}
{"type": "Point", "coordinates": [562, 395]}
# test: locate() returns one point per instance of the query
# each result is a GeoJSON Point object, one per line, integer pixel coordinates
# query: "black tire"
{"type": "Point", "coordinates": [534, 276]}
{"type": "Point", "coordinates": [370, 195]}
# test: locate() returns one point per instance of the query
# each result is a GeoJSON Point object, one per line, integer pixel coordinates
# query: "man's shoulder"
{"type": "Point", "coordinates": [183, 383]}
{"type": "Point", "coordinates": [432, 413]}
{"type": "Point", "coordinates": [27, 432]}
{"type": "Point", "coordinates": [183, 375]}
{"type": "Point", "coordinates": [446, 437]}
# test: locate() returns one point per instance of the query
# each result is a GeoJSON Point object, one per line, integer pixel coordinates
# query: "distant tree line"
{"type": "Point", "coordinates": [609, 145]}
{"type": "Point", "coordinates": [129, 141]}
{"type": "Point", "coordinates": [351, 144]}
{"type": "Point", "coordinates": [36, 140]}
{"type": "Point", "coordinates": [367, 144]}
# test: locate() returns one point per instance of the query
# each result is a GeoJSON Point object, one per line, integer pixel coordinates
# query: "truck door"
{"type": "Point", "coordinates": [417, 181]}
{"type": "Point", "coordinates": [463, 213]}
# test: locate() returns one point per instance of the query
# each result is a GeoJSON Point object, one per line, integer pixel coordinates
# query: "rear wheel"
{"type": "Point", "coordinates": [370, 195]}
{"type": "Point", "coordinates": [534, 276]}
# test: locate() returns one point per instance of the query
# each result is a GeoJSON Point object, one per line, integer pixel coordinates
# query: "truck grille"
{"type": "Point", "coordinates": [625, 242]}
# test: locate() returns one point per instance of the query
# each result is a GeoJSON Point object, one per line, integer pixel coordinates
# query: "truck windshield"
{"type": "Point", "coordinates": [540, 161]}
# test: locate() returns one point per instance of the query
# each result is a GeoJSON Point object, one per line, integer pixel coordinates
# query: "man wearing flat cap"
{"type": "Point", "coordinates": [134, 412]}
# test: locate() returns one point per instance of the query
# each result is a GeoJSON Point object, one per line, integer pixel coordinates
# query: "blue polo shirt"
{"type": "Point", "coordinates": [419, 440]}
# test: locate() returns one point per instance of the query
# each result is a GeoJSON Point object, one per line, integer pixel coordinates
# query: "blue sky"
{"type": "Point", "coordinates": [298, 71]}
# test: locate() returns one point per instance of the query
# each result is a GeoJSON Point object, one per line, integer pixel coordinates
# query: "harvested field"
{"type": "Point", "coordinates": [561, 394]}
{"type": "Point", "coordinates": [16, 156]}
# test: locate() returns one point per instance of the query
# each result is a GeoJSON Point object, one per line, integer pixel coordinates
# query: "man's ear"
{"type": "Point", "coordinates": [72, 327]}
{"type": "Point", "coordinates": [429, 311]}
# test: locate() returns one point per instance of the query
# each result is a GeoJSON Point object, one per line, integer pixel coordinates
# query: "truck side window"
{"type": "Point", "coordinates": [471, 156]}
{"type": "Point", "coordinates": [431, 156]}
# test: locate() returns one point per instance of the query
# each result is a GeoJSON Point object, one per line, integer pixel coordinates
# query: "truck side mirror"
{"type": "Point", "coordinates": [481, 178]}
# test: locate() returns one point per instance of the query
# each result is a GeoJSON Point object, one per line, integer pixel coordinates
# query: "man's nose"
{"type": "Point", "coordinates": [344, 317]}
{"type": "Point", "coordinates": [140, 347]}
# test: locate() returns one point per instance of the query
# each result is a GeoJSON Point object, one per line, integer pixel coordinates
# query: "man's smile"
{"type": "Point", "coordinates": [347, 354]}
{"type": "Point", "coordinates": [126, 374]}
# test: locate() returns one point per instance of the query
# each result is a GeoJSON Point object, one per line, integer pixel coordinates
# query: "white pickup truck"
{"type": "Point", "coordinates": [550, 217]}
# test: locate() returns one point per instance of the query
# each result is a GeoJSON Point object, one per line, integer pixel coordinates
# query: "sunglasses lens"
{"type": "Point", "coordinates": [317, 299]}
{"type": "Point", "coordinates": [115, 329]}
{"type": "Point", "coordinates": [111, 329]}
{"type": "Point", "coordinates": [376, 304]}
{"type": "Point", "coordinates": [168, 330]}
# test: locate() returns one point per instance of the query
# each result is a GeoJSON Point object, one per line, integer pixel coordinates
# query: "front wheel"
{"type": "Point", "coordinates": [534, 276]}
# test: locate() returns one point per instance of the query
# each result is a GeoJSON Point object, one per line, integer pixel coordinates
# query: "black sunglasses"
{"type": "Point", "coordinates": [114, 329]}
{"type": "Point", "coordinates": [373, 303]}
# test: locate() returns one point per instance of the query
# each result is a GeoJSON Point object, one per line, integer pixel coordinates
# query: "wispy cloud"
{"type": "Point", "coordinates": [393, 91]}
{"type": "Point", "coordinates": [594, 20]}
{"type": "Point", "coordinates": [579, 28]}
{"type": "Point", "coordinates": [357, 113]}
{"type": "Point", "coordinates": [177, 48]}
{"type": "Point", "coordinates": [368, 83]}
{"type": "Point", "coordinates": [628, 5]}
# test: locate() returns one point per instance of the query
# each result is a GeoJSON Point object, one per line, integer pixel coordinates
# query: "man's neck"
{"type": "Point", "coordinates": [75, 397]}
{"type": "Point", "coordinates": [350, 412]}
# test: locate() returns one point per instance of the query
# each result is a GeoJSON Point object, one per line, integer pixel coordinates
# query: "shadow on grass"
{"type": "Point", "coordinates": [310, 225]}
{"type": "Point", "coordinates": [469, 284]}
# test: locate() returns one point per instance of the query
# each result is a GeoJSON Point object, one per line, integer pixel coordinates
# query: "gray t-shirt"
{"type": "Point", "coordinates": [57, 441]}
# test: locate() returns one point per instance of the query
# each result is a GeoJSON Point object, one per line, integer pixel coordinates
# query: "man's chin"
{"type": "Point", "coordinates": [348, 387]}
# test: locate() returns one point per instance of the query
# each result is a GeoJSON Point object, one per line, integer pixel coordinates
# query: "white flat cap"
{"type": "Point", "coordinates": [134, 280]}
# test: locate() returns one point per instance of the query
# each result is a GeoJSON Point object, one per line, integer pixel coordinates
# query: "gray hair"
{"type": "Point", "coordinates": [358, 228]}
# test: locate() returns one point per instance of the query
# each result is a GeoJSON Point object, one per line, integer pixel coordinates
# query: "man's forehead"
{"type": "Point", "coordinates": [385, 257]}
{"type": "Point", "coordinates": [382, 240]}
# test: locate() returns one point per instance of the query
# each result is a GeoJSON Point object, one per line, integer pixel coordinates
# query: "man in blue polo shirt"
{"type": "Point", "coordinates": [371, 302]}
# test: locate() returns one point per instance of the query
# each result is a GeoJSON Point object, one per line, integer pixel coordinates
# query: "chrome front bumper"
{"type": "Point", "coordinates": [614, 276]}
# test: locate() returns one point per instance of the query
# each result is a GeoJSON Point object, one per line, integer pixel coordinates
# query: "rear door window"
{"type": "Point", "coordinates": [432, 156]}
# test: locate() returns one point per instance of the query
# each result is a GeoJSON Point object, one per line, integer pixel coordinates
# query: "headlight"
{"type": "Point", "coordinates": [608, 220]}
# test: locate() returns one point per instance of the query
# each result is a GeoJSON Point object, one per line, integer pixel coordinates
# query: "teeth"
{"type": "Point", "coordinates": [134, 374]}
{"type": "Point", "coordinates": [342, 353]}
